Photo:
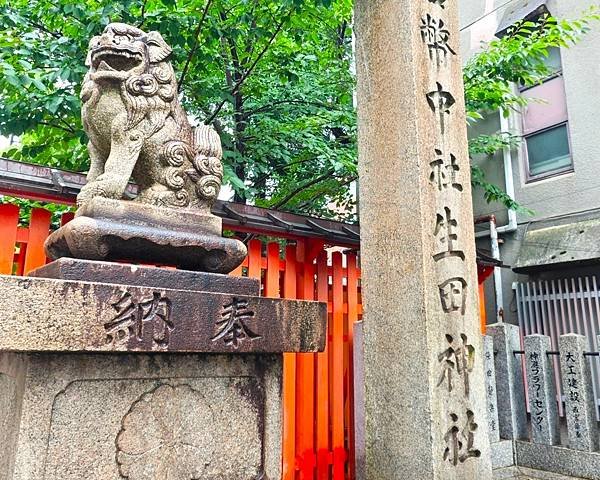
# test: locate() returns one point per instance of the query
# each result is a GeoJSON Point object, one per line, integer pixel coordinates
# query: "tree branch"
{"type": "Point", "coordinates": [307, 202]}
{"type": "Point", "coordinates": [68, 128]}
{"type": "Point", "coordinates": [195, 46]}
{"type": "Point", "coordinates": [272, 105]}
{"type": "Point", "coordinates": [282, 168]}
{"type": "Point", "coordinates": [247, 73]}
{"type": "Point", "coordinates": [298, 190]}
{"type": "Point", "coordinates": [142, 14]}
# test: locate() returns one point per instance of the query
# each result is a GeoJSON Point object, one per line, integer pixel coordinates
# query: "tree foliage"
{"type": "Point", "coordinates": [273, 77]}
{"type": "Point", "coordinates": [490, 77]}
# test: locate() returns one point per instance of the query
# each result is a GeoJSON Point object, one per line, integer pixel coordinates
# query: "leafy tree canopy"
{"type": "Point", "coordinates": [273, 77]}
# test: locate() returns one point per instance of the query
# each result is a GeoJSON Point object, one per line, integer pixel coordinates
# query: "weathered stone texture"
{"type": "Point", "coordinates": [147, 417]}
{"type": "Point", "coordinates": [111, 229]}
{"type": "Point", "coordinates": [56, 315]}
{"type": "Point", "coordinates": [542, 392]}
{"type": "Point", "coordinates": [512, 413]}
{"type": "Point", "coordinates": [424, 381]}
{"type": "Point", "coordinates": [12, 368]}
{"type": "Point", "coordinates": [491, 392]}
{"type": "Point", "coordinates": [580, 408]}
{"type": "Point", "coordinates": [146, 276]}
{"type": "Point", "coordinates": [138, 129]}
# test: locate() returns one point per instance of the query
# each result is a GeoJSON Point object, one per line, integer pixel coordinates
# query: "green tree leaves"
{"type": "Point", "coordinates": [273, 77]}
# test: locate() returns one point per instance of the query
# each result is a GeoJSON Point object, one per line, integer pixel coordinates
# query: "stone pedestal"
{"type": "Point", "coordinates": [108, 378]}
{"type": "Point", "coordinates": [580, 402]}
{"type": "Point", "coordinates": [140, 417]}
{"type": "Point", "coordinates": [541, 389]}
{"type": "Point", "coordinates": [108, 229]}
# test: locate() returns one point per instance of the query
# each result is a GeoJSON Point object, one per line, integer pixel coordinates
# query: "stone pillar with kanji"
{"type": "Point", "coordinates": [424, 388]}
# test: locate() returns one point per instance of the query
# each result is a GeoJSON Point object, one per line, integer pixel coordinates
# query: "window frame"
{"type": "Point", "coordinates": [529, 178]}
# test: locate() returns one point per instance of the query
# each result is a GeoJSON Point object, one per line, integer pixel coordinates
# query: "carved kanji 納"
{"type": "Point", "coordinates": [134, 312]}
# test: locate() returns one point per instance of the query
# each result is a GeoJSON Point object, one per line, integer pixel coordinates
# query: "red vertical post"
{"type": "Point", "coordinates": [289, 360]}
{"type": "Point", "coordinates": [66, 218]}
{"type": "Point", "coordinates": [9, 220]}
{"type": "Point", "coordinates": [482, 313]}
{"type": "Point", "coordinates": [39, 229]}
{"type": "Point", "coordinates": [352, 285]}
{"type": "Point", "coordinates": [322, 433]}
{"type": "Point", "coordinates": [254, 258]}
{"type": "Point", "coordinates": [305, 391]}
{"type": "Point", "coordinates": [337, 357]}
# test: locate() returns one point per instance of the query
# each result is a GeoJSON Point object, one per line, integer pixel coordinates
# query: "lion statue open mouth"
{"type": "Point", "coordinates": [138, 129]}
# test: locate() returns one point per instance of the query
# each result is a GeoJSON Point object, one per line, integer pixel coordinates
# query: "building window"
{"type": "Point", "coordinates": [545, 125]}
{"type": "Point", "coordinates": [548, 151]}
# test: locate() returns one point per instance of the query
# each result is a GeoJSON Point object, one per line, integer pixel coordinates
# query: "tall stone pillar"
{"type": "Point", "coordinates": [424, 382]}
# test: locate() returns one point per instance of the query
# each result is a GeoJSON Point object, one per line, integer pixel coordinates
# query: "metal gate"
{"type": "Point", "coordinates": [559, 306]}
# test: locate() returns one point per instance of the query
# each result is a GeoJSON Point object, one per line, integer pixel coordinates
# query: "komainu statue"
{"type": "Point", "coordinates": [139, 131]}
{"type": "Point", "coordinates": [137, 127]}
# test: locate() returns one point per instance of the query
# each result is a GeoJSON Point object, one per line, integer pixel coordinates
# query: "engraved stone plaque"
{"type": "Point", "coordinates": [150, 429]}
{"type": "Point", "coordinates": [146, 417]}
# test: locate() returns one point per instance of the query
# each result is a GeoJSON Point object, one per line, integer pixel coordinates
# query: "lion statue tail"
{"type": "Point", "coordinates": [207, 163]}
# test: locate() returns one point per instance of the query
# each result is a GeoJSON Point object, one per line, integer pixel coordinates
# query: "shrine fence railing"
{"type": "Point", "coordinates": [317, 388]}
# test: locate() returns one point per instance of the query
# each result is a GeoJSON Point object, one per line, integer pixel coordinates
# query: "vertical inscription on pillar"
{"type": "Point", "coordinates": [456, 361]}
{"type": "Point", "coordinates": [457, 357]}
{"type": "Point", "coordinates": [436, 37]}
{"type": "Point", "coordinates": [438, 2]}
{"type": "Point", "coordinates": [537, 403]}
{"type": "Point", "coordinates": [453, 295]}
{"type": "Point", "coordinates": [446, 235]}
{"type": "Point", "coordinates": [573, 392]}
{"type": "Point", "coordinates": [444, 172]}
{"type": "Point", "coordinates": [460, 439]}
{"type": "Point", "coordinates": [440, 101]}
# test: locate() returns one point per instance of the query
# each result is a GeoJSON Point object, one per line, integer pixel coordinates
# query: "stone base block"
{"type": "Point", "coordinates": [558, 460]}
{"type": "Point", "coordinates": [502, 454]}
{"type": "Point", "coordinates": [146, 276]}
{"type": "Point", "coordinates": [140, 417]}
{"type": "Point", "coordinates": [106, 229]}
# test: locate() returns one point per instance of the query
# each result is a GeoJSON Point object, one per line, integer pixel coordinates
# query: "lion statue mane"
{"type": "Point", "coordinates": [138, 129]}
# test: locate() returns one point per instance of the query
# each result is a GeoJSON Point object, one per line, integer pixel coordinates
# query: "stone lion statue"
{"type": "Point", "coordinates": [138, 129]}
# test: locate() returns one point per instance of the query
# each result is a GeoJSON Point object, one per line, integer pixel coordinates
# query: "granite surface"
{"type": "Point", "coordinates": [580, 408]}
{"type": "Point", "coordinates": [144, 417]}
{"type": "Point", "coordinates": [424, 381]}
{"type": "Point", "coordinates": [542, 391]}
{"type": "Point", "coordinates": [512, 413]}
{"type": "Point", "coordinates": [41, 314]}
{"type": "Point", "coordinates": [520, 473]}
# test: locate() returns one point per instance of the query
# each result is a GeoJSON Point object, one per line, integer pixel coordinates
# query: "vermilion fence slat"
{"type": "Point", "coordinates": [9, 220]}
{"type": "Point", "coordinates": [66, 218]}
{"type": "Point", "coordinates": [317, 388]}
{"type": "Point", "coordinates": [352, 282]}
{"type": "Point", "coordinates": [254, 258]}
{"type": "Point", "coordinates": [289, 360]}
{"type": "Point", "coordinates": [39, 227]}
{"type": "Point", "coordinates": [337, 437]}
{"type": "Point", "coordinates": [322, 433]}
{"type": "Point", "coordinates": [305, 392]}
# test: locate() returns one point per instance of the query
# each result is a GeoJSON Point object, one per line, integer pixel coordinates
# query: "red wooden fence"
{"type": "Point", "coordinates": [317, 388]}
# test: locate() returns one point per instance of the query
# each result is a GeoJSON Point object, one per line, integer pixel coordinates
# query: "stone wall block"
{"type": "Point", "coordinates": [512, 415]}
{"type": "Point", "coordinates": [542, 391]}
{"type": "Point", "coordinates": [580, 410]}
